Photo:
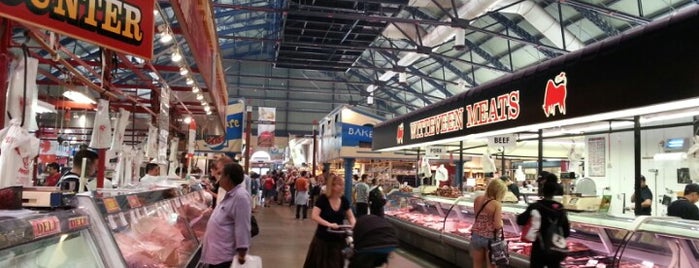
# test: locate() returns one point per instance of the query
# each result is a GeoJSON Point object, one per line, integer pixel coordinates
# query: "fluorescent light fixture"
{"type": "Point", "coordinates": [669, 156]}
{"type": "Point", "coordinates": [183, 71]}
{"type": "Point", "coordinates": [176, 56]}
{"type": "Point", "coordinates": [195, 89]}
{"type": "Point", "coordinates": [208, 112]}
{"type": "Point", "coordinates": [200, 97]}
{"type": "Point", "coordinates": [204, 103]}
{"type": "Point", "coordinates": [371, 88]}
{"type": "Point", "coordinates": [78, 97]}
{"type": "Point", "coordinates": [189, 81]}
{"type": "Point", "coordinates": [166, 36]}
{"type": "Point", "coordinates": [187, 120]}
{"type": "Point", "coordinates": [669, 116]}
{"type": "Point", "coordinates": [42, 107]}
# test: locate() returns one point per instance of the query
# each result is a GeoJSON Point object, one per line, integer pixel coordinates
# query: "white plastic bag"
{"type": "Point", "coordinates": [16, 98]}
{"type": "Point", "coordinates": [250, 262]}
{"type": "Point", "coordinates": [102, 129]}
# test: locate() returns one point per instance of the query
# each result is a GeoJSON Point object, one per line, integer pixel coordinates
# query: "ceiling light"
{"type": "Point", "coordinates": [200, 97]}
{"type": "Point", "coordinates": [195, 89]}
{"type": "Point", "coordinates": [669, 116]}
{"type": "Point", "coordinates": [187, 120]}
{"type": "Point", "coordinates": [402, 78]}
{"type": "Point", "coordinates": [176, 56]}
{"type": "Point", "coordinates": [208, 112]}
{"type": "Point", "coordinates": [370, 100]}
{"type": "Point", "coordinates": [207, 108]}
{"type": "Point", "coordinates": [183, 71]}
{"type": "Point", "coordinates": [166, 37]}
{"type": "Point", "coordinates": [155, 12]}
{"type": "Point", "coordinates": [204, 103]}
{"type": "Point", "coordinates": [371, 88]}
{"type": "Point", "coordinates": [189, 81]}
{"type": "Point", "coordinates": [78, 97]}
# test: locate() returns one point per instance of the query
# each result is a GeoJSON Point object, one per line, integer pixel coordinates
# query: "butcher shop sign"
{"type": "Point", "coordinates": [122, 25]}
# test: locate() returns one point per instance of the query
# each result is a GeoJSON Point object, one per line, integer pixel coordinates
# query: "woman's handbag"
{"type": "Point", "coordinates": [499, 254]}
{"type": "Point", "coordinates": [254, 229]}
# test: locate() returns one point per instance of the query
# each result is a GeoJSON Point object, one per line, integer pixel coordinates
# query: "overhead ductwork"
{"type": "Point", "coordinates": [529, 10]}
{"type": "Point", "coordinates": [545, 24]}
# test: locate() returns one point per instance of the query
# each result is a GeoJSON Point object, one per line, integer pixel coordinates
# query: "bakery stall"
{"type": "Point", "coordinates": [608, 143]}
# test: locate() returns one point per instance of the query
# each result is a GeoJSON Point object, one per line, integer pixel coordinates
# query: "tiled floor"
{"type": "Point", "coordinates": [283, 241]}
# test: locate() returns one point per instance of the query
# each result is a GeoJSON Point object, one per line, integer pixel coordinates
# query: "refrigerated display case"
{"type": "Point", "coordinates": [157, 228]}
{"type": "Point", "coordinates": [596, 240]}
{"type": "Point", "coordinates": [52, 239]}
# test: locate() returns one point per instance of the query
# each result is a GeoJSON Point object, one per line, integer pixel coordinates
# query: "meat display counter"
{"type": "Point", "coordinates": [442, 227]}
{"type": "Point", "coordinates": [157, 228]}
{"type": "Point", "coordinates": [64, 238]}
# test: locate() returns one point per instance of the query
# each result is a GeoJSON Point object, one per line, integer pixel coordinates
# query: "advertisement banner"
{"type": "Point", "coordinates": [121, 25]}
{"type": "Point", "coordinates": [265, 126]}
{"type": "Point", "coordinates": [232, 140]}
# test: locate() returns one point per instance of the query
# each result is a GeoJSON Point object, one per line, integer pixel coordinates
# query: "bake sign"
{"type": "Point", "coordinates": [497, 109]}
{"type": "Point", "coordinates": [450, 121]}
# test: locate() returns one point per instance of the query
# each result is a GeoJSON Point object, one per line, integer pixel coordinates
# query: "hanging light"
{"type": "Point", "coordinates": [166, 36]}
{"type": "Point", "coordinates": [176, 56]}
{"type": "Point", "coordinates": [460, 39]}
{"type": "Point", "coordinates": [187, 120]}
{"type": "Point", "coordinates": [189, 81]}
{"type": "Point", "coordinates": [183, 71]}
{"type": "Point", "coordinates": [208, 112]}
{"type": "Point", "coordinates": [207, 108]}
{"type": "Point", "coordinates": [195, 89]}
{"type": "Point", "coordinates": [370, 99]}
{"type": "Point", "coordinates": [204, 103]}
{"type": "Point", "coordinates": [155, 12]}
{"type": "Point", "coordinates": [200, 97]}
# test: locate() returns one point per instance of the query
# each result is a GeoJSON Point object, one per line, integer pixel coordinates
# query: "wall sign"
{"type": "Point", "coordinates": [122, 25]}
{"type": "Point", "coordinates": [352, 134]}
{"type": "Point", "coordinates": [596, 153]}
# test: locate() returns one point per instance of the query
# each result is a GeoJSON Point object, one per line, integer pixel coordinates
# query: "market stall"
{"type": "Point", "coordinates": [620, 117]}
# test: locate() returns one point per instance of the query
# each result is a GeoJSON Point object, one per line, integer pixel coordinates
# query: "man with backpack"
{"type": "Point", "coordinates": [546, 226]}
{"type": "Point", "coordinates": [376, 199]}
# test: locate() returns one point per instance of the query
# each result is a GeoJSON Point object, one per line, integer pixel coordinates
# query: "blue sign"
{"type": "Point", "coordinates": [353, 134]}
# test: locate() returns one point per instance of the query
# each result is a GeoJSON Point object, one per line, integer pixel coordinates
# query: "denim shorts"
{"type": "Point", "coordinates": [479, 242]}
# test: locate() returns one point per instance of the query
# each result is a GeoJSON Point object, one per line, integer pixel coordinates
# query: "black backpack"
{"type": "Point", "coordinates": [376, 197]}
{"type": "Point", "coordinates": [552, 241]}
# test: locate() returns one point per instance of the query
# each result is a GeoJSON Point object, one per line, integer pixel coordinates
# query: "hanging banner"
{"type": "Point", "coordinates": [232, 140]}
{"type": "Point", "coordinates": [266, 116]}
{"type": "Point", "coordinates": [122, 25]}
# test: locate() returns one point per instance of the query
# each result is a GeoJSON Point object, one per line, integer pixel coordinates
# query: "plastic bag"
{"type": "Point", "coordinates": [250, 262]}
{"type": "Point", "coordinates": [102, 129]}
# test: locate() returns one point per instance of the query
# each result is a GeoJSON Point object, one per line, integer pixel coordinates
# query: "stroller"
{"type": "Point", "coordinates": [374, 239]}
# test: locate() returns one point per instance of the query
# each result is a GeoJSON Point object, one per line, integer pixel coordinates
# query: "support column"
{"type": "Point", "coordinates": [349, 165]}
{"type": "Point", "coordinates": [315, 148]}
{"type": "Point", "coordinates": [248, 132]}
{"type": "Point", "coordinates": [459, 178]}
{"type": "Point", "coordinates": [418, 180]}
{"type": "Point", "coordinates": [5, 37]}
{"type": "Point", "coordinates": [636, 160]}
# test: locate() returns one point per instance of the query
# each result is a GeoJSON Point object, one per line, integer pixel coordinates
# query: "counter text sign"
{"type": "Point", "coordinates": [122, 25]}
{"type": "Point", "coordinates": [507, 141]}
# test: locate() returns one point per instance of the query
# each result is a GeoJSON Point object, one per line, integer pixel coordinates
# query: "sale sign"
{"type": "Point", "coordinates": [121, 25]}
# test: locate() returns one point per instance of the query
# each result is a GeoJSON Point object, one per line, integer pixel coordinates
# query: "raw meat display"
{"type": "Point", "coordinates": [448, 191]}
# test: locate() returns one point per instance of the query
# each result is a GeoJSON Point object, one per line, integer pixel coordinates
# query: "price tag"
{"type": "Point", "coordinates": [45, 226]}
{"type": "Point", "coordinates": [111, 205]}
{"type": "Point", "coordinates": [78, 222]}
{"type": "Point", "coordinates": [134, 202]}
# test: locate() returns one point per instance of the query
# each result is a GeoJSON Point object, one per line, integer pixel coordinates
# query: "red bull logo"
{"type": "Point", "coordinates": [555, 95]}
{"type": "Point", "coordinates": [399, 134]}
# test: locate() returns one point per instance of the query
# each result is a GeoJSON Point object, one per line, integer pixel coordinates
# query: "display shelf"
{"type": "Point", "coordinates": [158, 228]}
{"type": "Point", "coordinates": [51, 239]}
{"type": "Point", "coordinates": [595, 238]}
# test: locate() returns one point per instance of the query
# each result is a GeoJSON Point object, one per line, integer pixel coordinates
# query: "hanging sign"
{"type": "Point", "coordinates": [122, 25]}
{"type": "Point", "coordinates": [435, 152]}
{"type": "Point", "coordinates": [507, 141]}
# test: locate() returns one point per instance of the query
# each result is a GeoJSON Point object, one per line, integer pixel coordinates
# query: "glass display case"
{"type": "Point", "coordinates": [596, 240]}
{"type": "Point", "coordinates": [157, 228]}
{"type": "Point", "coordinates": [51, 239]}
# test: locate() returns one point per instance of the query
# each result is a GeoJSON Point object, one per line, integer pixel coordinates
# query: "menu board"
{"type": "Point", "coordinates": [596, 150]}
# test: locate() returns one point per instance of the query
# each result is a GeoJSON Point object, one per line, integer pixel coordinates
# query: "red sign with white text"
{"type": "Point", "coordinates": [122, 25]}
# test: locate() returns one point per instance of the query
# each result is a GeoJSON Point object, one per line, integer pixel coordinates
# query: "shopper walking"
{"type": "Point", "coordinates": [540, 216]}
{"type": "Point", "coordinates": [330, 211]}
{"type": "Point", "coordinates": [488, 222]}
{"type": "Point", "coordinates": [301, 199]}
{"type": "Point", "coordinates": [268, 192]}
{"type": "Point", "coordinates": [377, 199]}
{"type": "Point", "coordinates": [227, 236]}
{"type": "Point", "coordinates": [361, 196]}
